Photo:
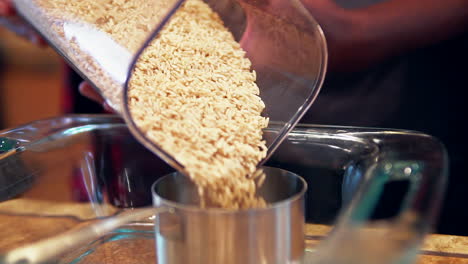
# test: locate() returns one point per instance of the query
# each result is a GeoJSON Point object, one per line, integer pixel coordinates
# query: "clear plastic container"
{"type": "Point", "coordinates": [104, 42]}
{"type": "Point", "coordinates": [98, 39]}
{"type": "Point", "coordinates": [377, 190]}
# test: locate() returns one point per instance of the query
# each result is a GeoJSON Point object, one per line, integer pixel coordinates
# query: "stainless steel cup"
{"type": "Point", "coordinates": [187, 233]}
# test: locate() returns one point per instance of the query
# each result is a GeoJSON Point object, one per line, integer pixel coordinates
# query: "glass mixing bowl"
{"type": "Point", "coordinates": [372, 193]}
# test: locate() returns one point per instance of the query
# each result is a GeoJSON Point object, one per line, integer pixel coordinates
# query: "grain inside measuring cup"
{"type": "Point", "coordinates": [194, 94]}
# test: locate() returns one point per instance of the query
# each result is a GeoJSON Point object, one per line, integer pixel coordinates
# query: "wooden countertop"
{"type": "Point", "coordinates": [436, 249]}
{"type": "Point", "coordinates": [26, 227]}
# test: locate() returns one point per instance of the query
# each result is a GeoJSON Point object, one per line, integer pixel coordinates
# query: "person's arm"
{"type": "Point", "coordinates": [360, 37]}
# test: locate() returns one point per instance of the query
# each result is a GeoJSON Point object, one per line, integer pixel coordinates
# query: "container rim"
{"type": "Point", "coordinates": [193, 208]}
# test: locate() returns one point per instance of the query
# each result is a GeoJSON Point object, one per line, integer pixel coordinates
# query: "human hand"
{"type": "Point", "coordinates": [341, 31]}
{"type": "Point", "coordinates": [10, 20]}
{"type": "Point", "coordinates": [88, 91]}
{"type": "Point", "coordinates": [265, 35]}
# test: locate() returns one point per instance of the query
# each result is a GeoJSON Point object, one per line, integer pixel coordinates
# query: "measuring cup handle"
{"type": "Point", "coordinates": [46, 250]}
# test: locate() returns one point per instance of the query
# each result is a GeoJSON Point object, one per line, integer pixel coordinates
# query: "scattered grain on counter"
{"type": "Point", "coordinates": [193, 93]}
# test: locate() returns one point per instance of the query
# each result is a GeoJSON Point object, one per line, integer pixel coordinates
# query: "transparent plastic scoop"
{"type": "Point", "coordinates": [104, 41]}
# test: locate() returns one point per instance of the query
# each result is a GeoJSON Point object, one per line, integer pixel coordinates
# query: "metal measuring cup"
{"type": "Point", "coordinates": [189, 234]}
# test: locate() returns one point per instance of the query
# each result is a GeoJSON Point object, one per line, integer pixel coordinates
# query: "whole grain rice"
{"type": "Point", "coordinates": [192, 92]}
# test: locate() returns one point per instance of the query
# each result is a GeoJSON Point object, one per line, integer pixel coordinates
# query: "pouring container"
{"type": "Point", "coordinates": [104, 42]}
{"type": "Point", "coordinates": [372, 196]}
